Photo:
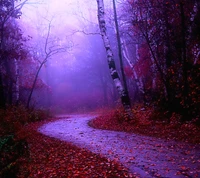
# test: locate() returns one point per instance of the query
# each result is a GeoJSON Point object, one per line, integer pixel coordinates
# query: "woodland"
{"type": "Point", "coordinates": [141, 67]}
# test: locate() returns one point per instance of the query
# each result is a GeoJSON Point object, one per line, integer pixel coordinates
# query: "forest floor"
{"type": "Point", "coordinates": [140, 154]}
{"type": "Point", "coordinates": [51, 157]}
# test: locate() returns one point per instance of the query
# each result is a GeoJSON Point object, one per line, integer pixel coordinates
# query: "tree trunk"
{"type": "Point", "coordinates": [120, 49]}
{"type": "Point", "coordinates": [2, 96]}
{"type": "Point", "coordinates": [137, 79]}
{"type": "Point", "coordinates": [33, 86]}
{"type": "Point", "coordinates": [184, 55]}
{"type": "Point", "coordinates": [16, 82]}
{"type": "Point", "coordinates": [184, 62]}
{"type": "Point", "coordinates": [111, 63]}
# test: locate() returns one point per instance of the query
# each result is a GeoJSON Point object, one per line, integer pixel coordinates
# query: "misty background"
{"type": "Point", "coordinates": [76, 79]}
{"type": "Point", "coordinates": [53, 56]}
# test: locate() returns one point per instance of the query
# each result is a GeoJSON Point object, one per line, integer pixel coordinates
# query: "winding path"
{"type": "Point", "coordinates": [146, 156]}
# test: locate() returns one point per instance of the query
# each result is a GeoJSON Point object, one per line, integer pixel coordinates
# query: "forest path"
{"type": "Point", "coordinates": [146, 156]}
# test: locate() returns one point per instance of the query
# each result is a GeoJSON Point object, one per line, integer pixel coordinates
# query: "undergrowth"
{"type": "Point", "coordinates": [150, 122]}
{"type": "Point", "coordinates": [13, 143]}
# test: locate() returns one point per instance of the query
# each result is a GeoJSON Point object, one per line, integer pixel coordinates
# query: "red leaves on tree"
{"type": "Point", "coordinates": [128, 71]}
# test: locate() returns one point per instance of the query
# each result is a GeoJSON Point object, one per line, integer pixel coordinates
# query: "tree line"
{"type": "Point", "coordinates": [160, 42]}
{"type": "Point", "coordinates": [159, 45]}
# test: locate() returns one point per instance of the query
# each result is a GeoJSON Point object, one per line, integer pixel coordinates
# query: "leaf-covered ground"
{"type": "Point", "coordinates": [149, 123]}
{"type": "Point", "coordinates": [49, 157]}
{"type": "Point", "coordinates": [143, 155]}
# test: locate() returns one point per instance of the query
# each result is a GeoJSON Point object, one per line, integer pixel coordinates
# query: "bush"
{"type": "Point", "coordinates": [13, 144]}
{"type": "Point", "coordinates": [15, 117]}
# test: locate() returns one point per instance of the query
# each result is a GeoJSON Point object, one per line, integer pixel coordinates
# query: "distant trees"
{"type": "Point", "coordinates": [17, 59]}
{"type": "Point", "coordinates": [160, 48]}
{"type": "Point", "coordinates": [11, 51]}
{"type": "Point", "coordinates": [167, 36]}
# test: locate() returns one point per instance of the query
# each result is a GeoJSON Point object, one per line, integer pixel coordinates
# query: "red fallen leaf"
{"type": "Point", "coordinates": [110, 152]}
{"type": "Point", "coordinates": [158, 145]}
{"type": "Point", "coordinates": [152, 164]}
{"type": "Point", "coordinates": [183, 168]}
{"type": "Point", "coordinates": [178, 173]}
{"type": "Point", "coordinates": [187, 152]}
{"type": "Point", "coordinates": [132, 158]}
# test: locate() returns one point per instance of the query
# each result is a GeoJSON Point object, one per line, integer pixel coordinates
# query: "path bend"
{"type": "Point", "coordinates": [146, 156]}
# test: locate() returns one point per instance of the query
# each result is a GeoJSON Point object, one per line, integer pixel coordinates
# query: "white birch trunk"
{"type": "Point", "coordinates": [111, 63]}
{"type": "Point", "coordinates": [137, 79]}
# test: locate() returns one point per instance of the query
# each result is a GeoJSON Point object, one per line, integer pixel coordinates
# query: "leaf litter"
{"type": "Point", "coordinates": [50, 157]}
{"type": "Point", "coordinates": [144, 156]}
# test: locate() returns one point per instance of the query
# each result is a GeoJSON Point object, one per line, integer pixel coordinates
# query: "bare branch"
{"type": "Point", "coordinates": [85, 33]}
{"type": "Point", "coordinates": [47, 38]}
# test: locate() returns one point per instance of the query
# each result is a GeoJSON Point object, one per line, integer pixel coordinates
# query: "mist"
{"type": "Point", "coordinates": [76, 78]}
{"type": "Point", "coordinates": [55, 56]}
{"type": "Point", "coordinates": [99, 88]}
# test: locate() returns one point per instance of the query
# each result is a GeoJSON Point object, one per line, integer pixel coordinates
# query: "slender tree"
{"type": "Point", "coordinates": [49, 50]}
{"type": "Point", "coordinates": [120, 48]}
{"type": "Point", "coordinates": [111, 63]}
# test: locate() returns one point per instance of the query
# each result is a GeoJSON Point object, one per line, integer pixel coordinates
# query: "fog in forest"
{"type": "Point", "coordinates": [53, 55]}
{"type": "Point", "coordinates": [99, 88]}
{"type": "Point", "coordinates": [76, 77]}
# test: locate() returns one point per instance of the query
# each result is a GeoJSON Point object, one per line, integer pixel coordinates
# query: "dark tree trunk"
{"type": "Point", "coordinates": [120, 50]}
{"type": "Point", "coordinates": [184, 64]}
{"type": "Point", "coordinates": [2, 96]}
{"type": "Point", "coordinates": [33, 86]}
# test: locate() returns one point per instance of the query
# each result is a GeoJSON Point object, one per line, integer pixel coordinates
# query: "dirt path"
{"type": "Point", "coordinates": [146, 156]}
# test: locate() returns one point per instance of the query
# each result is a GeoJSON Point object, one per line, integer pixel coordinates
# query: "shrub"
{"type": "Point", "coordinates": [15, 117]}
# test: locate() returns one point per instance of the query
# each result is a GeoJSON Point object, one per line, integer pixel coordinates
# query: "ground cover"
{"type": "Point", "coordinates": [50, 157]}
{"type": "Point", "coordinates": [150, 123]}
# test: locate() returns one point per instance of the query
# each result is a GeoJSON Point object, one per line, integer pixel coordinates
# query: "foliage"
{"type": "Point", "coordinates": [13, 144]}
{"type": "Point", "coordinates": [12, 50]}
{"type": "Point", "coordinates": [15, 57]}
{"type": "Point", "coordinates": [15, 117]}
{"type": "Point", "coordinates": [167, 57]}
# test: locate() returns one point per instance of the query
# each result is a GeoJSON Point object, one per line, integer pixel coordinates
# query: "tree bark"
{"type": "Point", "coordinates": [137, 79]}
{"type": "Point", "coordinates": [34, 83]}
{"type": "Point", "coordinates": [16, 82]}
{"type": "Point", "coordinates": [111, 63]}
{"type": "Point", "coordinates": [184, 55]}
{"type": "Point", "coordinates": [120, 48]}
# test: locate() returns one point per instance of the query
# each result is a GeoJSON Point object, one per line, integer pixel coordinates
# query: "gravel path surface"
{"type": "Point", "coordinates": [146, 156]}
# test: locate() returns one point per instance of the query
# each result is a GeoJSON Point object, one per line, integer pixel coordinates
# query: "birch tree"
{"type": "Point", "coordinates": [169, 31]}
{"type": "Point", "coordinates": [138, 79]}
{"type": "Point", "coordinates": [110, 58]}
